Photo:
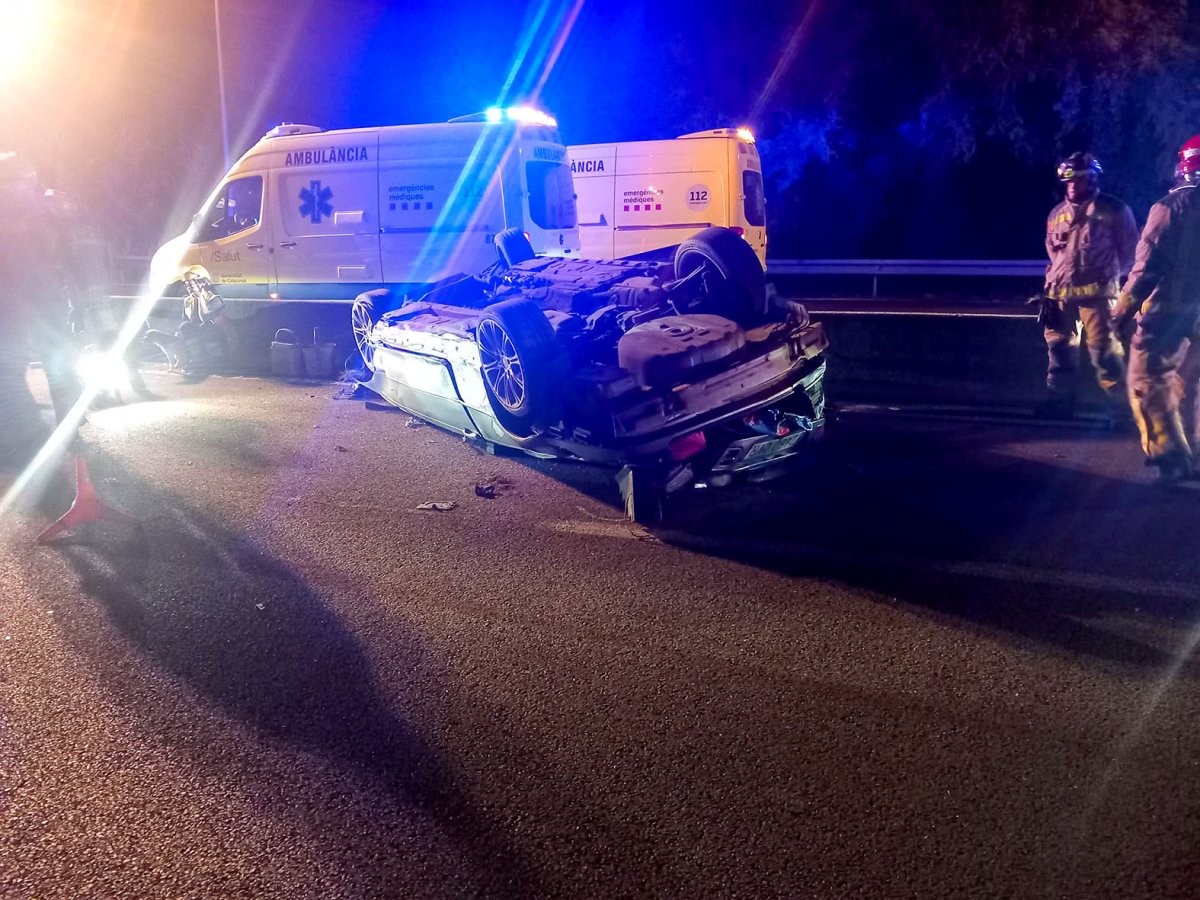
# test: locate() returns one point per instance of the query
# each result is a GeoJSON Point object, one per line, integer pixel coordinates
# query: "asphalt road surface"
{"type": "Point", "coordinates": [955, 657]}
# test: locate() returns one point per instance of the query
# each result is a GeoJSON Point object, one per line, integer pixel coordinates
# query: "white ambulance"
{"type": "Point", "coordinates": [642, 196]}
{"type": "Point", "coordinates": [308, 214]}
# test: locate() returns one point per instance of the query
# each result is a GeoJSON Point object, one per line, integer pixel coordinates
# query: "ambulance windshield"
{"type": "Point", "coordinates": [551, 194]}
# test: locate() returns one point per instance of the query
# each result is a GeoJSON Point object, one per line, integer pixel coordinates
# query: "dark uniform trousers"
{"type": "Point", "coordinates": [1164, 390]}
{"type": "Point", "coordinates": [1062, 345]}
{"type": "Point", "coordinates": [1164, 355]}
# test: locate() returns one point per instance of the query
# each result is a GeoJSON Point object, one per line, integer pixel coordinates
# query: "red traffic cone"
{"type": "Point", "coordinates": [86, 508]}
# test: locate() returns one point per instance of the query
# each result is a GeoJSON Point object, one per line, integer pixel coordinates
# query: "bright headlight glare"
{"type": "Point", "coordinates": [103, 371]}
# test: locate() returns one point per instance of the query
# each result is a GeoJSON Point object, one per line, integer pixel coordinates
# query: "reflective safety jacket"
{"type": "Point", "coordinates": [1090, 245]}
{"type": "Point", "coordinates": [1165, 281]}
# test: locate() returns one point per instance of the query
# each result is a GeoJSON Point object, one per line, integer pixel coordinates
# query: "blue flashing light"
{"type": "Point", "coordinates": [530, 116]}
{"type": "Point", "coordinates": [525, 115]}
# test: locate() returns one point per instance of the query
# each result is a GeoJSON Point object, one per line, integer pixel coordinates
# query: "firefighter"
{"type": "Point", "coordinates": [1162, 294]}
{"type": "Point", "coordinates": [206, 337]}
{"type": "Point", "coordinates": [1090, 239]}
{"type": "Point", "coordinates": [34, 309]}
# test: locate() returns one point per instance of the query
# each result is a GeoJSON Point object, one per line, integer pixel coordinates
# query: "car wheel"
{"type": "Point", "coordinates": [732, 277]}
{"type": "Point", "coordinates": [513, 246]}
{"type": "Point", "coordinates": [520, 361]}
{"type": "Point", "coordinates": [368, 309]}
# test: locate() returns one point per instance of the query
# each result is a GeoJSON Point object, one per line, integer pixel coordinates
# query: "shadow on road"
{"type": "Point", "coordinates": [939, 516]}
{"type": "Point", "coordinates": [224, 617]}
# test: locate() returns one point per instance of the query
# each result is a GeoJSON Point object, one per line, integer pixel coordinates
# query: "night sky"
{"type": "Point", "coordinates": [128, 81]}
{"type": "Point", "coordinates": [122, 106]}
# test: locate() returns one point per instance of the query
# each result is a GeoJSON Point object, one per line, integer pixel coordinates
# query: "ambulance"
{"type": "Point", "coordinates": [310, 214]}
{"type": "Point", "coordinates": [637, 198]}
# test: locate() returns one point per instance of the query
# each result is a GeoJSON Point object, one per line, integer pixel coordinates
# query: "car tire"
{"type": "Point", "coordinates": [367, 309]}
{"type": "Point", "coordinates": [734, 282]}
{"type": "Point", "coordinates": [513, 246]}
{"type": "Point", "coordinates": [521, 365]}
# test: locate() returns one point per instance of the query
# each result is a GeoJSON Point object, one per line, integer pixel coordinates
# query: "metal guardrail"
{"type": "Point", "coordinates": [1024, 268]}
{"type": "Point", "coordinates": [131, 268]}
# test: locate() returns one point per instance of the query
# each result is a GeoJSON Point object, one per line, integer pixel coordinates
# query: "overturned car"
{"type": "Point", "coordinates": [681, 374]}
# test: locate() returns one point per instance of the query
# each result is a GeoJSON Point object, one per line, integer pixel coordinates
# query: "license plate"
{"type": "Point", "coordinates": [769, 449]}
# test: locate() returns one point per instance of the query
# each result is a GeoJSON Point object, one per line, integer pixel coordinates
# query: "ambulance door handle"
{"type": "Point", "coordinates": [288, 245]}
{"type": "Point", "coordinates": [254, 246]}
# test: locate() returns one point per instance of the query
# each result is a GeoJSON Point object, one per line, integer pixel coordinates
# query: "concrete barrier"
{"type": "Point", "coordinates": [976, 361]}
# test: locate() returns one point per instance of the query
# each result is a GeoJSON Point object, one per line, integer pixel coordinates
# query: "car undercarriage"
{"type": "Point", "coordinates": [681, 374]}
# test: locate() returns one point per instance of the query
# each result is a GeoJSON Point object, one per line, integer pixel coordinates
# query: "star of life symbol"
{"type": "Point", "coordinates": [316, 202]}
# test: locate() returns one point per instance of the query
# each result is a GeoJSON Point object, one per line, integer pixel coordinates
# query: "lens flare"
{"type": "Point", "coordinates": [25, 35]}
{"type": "Point", "coordinates": [104, 371]}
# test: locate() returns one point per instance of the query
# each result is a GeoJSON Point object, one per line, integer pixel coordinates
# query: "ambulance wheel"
{"type": "Point", "coordinates": [733, 279]}
{"type": "Point", "coordinates": [520, 361]}
{"type": "Point", "coordinates": [368, 309]}
{"type": "Point", "coordinates": [513, 246]}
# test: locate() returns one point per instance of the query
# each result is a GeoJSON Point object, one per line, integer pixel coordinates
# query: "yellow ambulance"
{"type": "Point", "coordinates": [639, 197]}
{"type": "Point", "coordinates": [310, 214]}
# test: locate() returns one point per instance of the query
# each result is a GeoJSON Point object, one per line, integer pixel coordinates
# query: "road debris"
{"type": "Point", "coordinates": [491, 486]}
{"type": "Point", "coordinates": [373, 406]}
{"type": "Point", "coordinates": [413, 422]}
{"type": "Point", "coordinates": [340, 449]}
{"type": "Point", "coordinates": [439, 505]}
{"type": "Point", "coordinates": [351, 390]}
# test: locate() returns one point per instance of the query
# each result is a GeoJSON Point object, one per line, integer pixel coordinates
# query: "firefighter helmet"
{"type": "Point", "coordinates": [1080, 163]}
{"type": "Point", "coordinates": [1188, 169]}
{"type": "Point", "coordinates": [196, 280]}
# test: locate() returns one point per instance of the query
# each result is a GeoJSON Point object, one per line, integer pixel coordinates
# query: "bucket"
{"type": "Point", "coordinates": [319, 358]}
{"type": "Point", "coordinates": [287, 360]}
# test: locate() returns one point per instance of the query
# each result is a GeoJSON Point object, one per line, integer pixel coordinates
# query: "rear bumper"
{"type": "Point", "coordinates": [658, 430]}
